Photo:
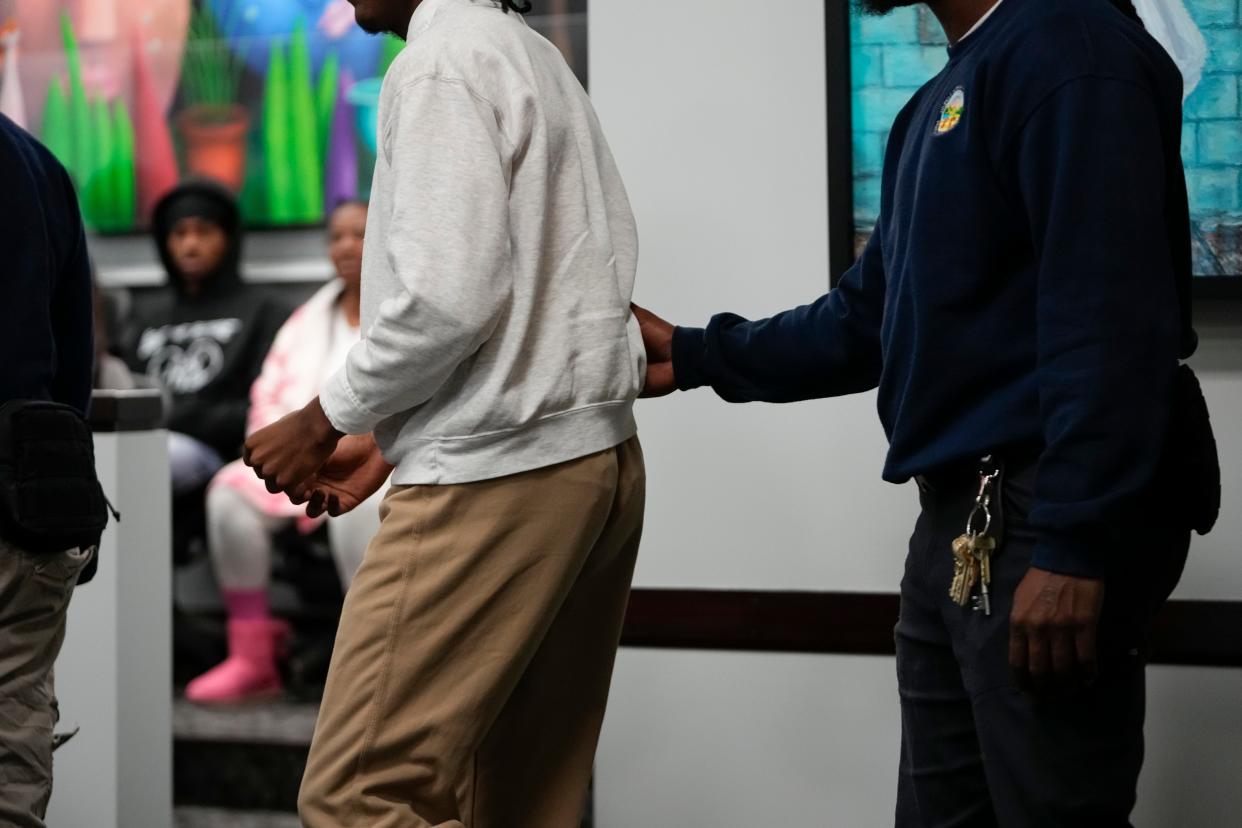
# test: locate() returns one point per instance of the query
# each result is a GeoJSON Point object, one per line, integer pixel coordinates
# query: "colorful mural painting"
{"type": "Point", "coordinates": [276, 99]}
{"type": "Point", "coordinates": [892, 56]}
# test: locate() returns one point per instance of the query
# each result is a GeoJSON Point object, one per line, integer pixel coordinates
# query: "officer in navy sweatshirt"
{"type": "Point", "coordinates": [1024, 295]}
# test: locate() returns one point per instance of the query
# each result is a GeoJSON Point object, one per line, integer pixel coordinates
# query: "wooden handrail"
{"type": "Point", "coordinates": [1199, 633]}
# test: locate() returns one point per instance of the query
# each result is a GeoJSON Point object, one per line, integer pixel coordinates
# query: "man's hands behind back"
{"type": "Point", "coordinates": [354, 472]}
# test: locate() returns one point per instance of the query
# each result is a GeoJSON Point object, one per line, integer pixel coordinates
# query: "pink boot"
{"type": "Point", "coordinates": [249, 673]}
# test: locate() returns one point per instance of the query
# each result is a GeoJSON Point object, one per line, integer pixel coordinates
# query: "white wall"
{"type": "Point", "coordinates": [715, 111]}
{"type": "Point", "coordinates": [719, 740]}
{"type": "Point", "coordinates": [114, 673]}
{"type": "Point", "coordinates": [712, 740]}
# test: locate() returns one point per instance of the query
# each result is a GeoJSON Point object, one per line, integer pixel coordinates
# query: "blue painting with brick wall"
{"type": "Point", "coordinates": [892, 56]}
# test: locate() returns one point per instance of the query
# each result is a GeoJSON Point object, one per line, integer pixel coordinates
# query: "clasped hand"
{"type": "Point", "coordinates": [305, 457]}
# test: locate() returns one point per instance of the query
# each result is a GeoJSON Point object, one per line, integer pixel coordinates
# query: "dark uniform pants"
{"type": "Point", "coordinates": [976, 751]}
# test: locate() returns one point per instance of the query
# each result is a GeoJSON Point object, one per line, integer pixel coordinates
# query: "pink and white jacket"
{"type": "Point", "coordinates": [292, 373]}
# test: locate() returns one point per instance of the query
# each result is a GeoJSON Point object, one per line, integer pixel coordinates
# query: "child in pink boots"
{"type": "Point", "coordinates": [243, 517]}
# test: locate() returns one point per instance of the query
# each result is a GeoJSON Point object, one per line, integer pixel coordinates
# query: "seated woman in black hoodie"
{"type": "Point", "coordinates": [204, 336]}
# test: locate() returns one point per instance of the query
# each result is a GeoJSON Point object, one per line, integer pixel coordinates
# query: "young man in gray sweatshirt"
{"type": "Point", "coordinates": [497, 373]}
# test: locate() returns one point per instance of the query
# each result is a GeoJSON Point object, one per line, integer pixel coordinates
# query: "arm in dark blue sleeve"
{"type": "Point", "coordinates": [827, 348]}
{"type": "Point", "coordinates": [73, 319]}
{"type": "Point", "coordinates": [1093, 179]}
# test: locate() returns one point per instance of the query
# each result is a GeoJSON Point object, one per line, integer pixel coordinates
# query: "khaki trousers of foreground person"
{"type": "Point", "coordinates": [34, 597]}
{"type": "Point", "coordinates": [475, 649]}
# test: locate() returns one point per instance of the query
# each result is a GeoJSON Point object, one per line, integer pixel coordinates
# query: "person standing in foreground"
{"type": "Point", "coordinates": [47, 340]}
{"type": "Point", "coordinates": [497, 371]}
{"type": "Point", "coordinates": [1018, 308]}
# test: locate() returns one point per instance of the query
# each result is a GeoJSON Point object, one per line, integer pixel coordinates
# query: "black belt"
{"type": "Point", "coordinates": [964, 474]}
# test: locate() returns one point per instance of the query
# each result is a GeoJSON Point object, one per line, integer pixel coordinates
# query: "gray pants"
{"type": "Point", "coordinates": [34, 595]}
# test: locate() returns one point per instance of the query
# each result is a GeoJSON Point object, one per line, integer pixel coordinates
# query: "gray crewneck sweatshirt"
{"type": "Point", "coordinates": [498, 265]}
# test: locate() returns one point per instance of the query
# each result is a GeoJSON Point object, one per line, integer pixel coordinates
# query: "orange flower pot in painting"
{"type": "Point", "coordinates": [215, 143]}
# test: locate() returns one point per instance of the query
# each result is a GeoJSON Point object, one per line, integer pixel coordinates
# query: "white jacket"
{"type": "Point", "coordinates": [499, 261]}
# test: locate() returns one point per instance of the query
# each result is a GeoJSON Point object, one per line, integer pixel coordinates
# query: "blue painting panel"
{"type": "Point", "coordinates": [893, 56]}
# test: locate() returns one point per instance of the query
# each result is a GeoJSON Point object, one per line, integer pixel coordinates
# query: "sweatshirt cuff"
{"type": "Point", "coordinates": [1067, 555]}
{"type": "Point", "coordinates": [341, 406]}
{"type": "Point", "coordinates": [689, 350]}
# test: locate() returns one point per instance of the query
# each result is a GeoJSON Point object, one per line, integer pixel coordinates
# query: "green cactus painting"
{"type": "Point", "coordinates": [94, 140]}
{"type": "Point", "coordinates": [57, 134]}
{"type": "Point", "coordinates": [97, 187]}
{"type": "Point", "coordinates": [81, 155]}
{"type": "Point", "coordinates": [274, 99]}
{"type": "Point", "coordinates": [325, 103]}
{"type": "Point", "coordinates": [276, 140]}
{"type": "Point", "coordinates": [307, 171]}
{"type": "Point", "coordinates": [125, 189]}
{"type": "Point", "coordinates": [297, 118]}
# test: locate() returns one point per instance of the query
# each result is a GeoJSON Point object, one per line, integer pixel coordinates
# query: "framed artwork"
{"type": "Point", "coordinates": [877, 63]}
{"type": "Point", "coordinates": [276, 99]}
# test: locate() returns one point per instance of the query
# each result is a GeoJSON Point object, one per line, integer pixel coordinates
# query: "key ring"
{"type": "Point", "coordinates": [983, 503]}
{"type": "Point", "coordinates": [987, 520]}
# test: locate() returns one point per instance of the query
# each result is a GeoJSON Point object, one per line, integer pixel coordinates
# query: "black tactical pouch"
{"type": "Point", "coordinates": [50, 497]}
{"type": "Point", "coordinates": [1189, 477]}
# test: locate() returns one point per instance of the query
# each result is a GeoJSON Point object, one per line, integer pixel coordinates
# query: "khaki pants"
{"type": "Point", "coordinates": [475, 650]}
{"type": "Point", "coordinates": [34, 595]}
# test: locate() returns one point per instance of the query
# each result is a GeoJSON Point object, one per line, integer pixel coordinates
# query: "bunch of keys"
{"type": "Point", "coordinates": [972, 551]}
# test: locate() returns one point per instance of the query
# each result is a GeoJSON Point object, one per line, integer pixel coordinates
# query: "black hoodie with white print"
{"type": "Point", "coordinates": [204, 350]}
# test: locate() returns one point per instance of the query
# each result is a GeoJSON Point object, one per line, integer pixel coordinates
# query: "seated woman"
{"type": "Point", "coordinates": [242, 516]}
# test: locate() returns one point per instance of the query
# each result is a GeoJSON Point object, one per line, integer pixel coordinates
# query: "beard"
{"type": "Point", "coordinates": [879, 8]}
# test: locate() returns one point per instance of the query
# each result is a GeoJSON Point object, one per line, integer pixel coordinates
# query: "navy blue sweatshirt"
{"type": "Point", "coordinates": [47, 344]}
{"type": "Point", "coordinates": [1022, 284]}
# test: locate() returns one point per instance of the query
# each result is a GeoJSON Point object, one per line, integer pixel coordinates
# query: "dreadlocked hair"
{"type": "Point", "coordinates": [519, 6]}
